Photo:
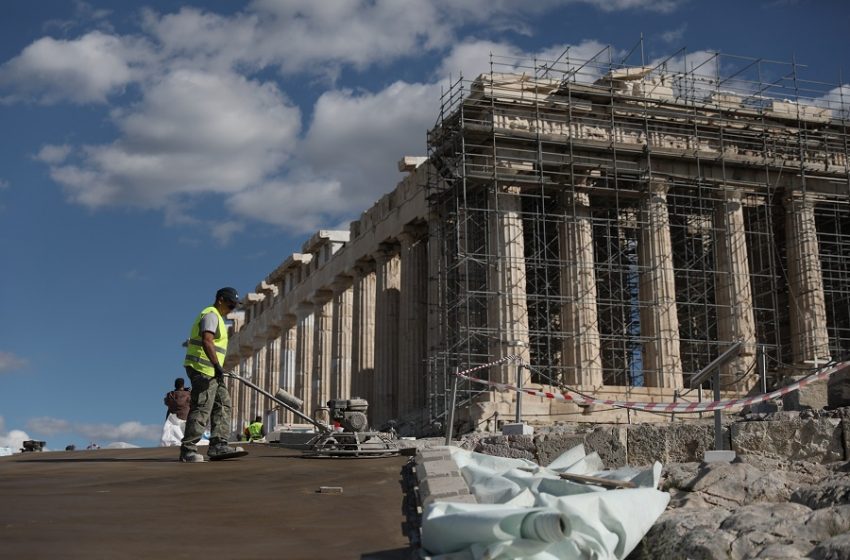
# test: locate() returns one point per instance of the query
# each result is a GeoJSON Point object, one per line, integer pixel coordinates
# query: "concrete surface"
{"type": "Point", "coordinates": [142, 503]}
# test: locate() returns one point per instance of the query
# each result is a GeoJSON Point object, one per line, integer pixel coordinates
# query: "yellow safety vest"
{"type": "Point", "coordinates": [255, 429]}
{"type": "Point", "coordinates": [195, 355]}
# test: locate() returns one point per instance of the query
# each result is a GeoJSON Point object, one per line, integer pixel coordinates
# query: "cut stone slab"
{"type": "Point", "coordinates": [719, 456]}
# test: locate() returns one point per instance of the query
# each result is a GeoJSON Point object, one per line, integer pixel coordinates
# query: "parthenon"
{"type": "Point", "coordinates": [616, 226]}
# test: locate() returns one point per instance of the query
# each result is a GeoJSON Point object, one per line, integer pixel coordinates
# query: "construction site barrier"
{"type": "Point", "coordinates": [682, 406]}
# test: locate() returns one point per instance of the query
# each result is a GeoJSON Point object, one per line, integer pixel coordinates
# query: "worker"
{"type": "Point", "coordinates": [177, 400]}
{"type": "Point", "coordinates": [256, 430]}
{"type": "Point", "coordinates": [210, 402]}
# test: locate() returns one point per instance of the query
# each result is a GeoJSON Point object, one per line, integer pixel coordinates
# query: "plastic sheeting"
{"type": "Point", "coordinates": [528, 511]}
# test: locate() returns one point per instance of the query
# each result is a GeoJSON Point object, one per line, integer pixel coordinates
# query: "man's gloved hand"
{"type": "Point", "coordinates": [219, 371]}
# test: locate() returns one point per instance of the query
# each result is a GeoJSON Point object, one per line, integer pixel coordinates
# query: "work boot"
{"type": "Point", "coordinates": [222, 449]}
{"type": "Point", "coordinates": [189, 456]}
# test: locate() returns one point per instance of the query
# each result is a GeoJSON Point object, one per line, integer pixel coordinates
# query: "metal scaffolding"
{"type": "Point", "coordinates": [606, 172]}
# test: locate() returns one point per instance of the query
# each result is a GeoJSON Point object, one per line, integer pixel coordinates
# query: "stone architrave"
{"type": "Point", "coordinates": [387, 288]}
{"type": "Point", "coordinates": [342, 332]}
{"type": "Point", "coordinates": [322, 347]}
{"type": "Point", "coordinates": [304, 355]}
{"type": "Point", "coordinates": [659, 320]}
{"type": "Point", "coordinates": [413, 313]}
{"type": "Point", "coordinates": [807, 302]}
{"type": "Point", "coordinates": [363, 331]}
{"type": "Point", "coordinates": [580, 357]}
{"type": "Point", "coordinates": [508, 310]}
{"type": "Point", "coordinates": [733, 293]}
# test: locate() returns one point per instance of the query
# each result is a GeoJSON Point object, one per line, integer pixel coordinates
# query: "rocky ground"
{"type": "Point", "coordinates": [754, 507]}
{"type": "Point", "coordinates": [787, 494]}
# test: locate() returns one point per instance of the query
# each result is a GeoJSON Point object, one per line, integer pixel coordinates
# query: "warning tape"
{"type": "Point", "coordinates": [706, 406]}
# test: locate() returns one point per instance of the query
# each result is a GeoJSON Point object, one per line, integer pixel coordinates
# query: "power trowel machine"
{"type": "Point", "coordinates": [354, 438]}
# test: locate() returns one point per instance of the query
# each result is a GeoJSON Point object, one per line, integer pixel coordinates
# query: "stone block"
{"type": "Point", "coordinates": [514, 429]}
{"type": "Point", "coordinates": [428, 469]}
{"type": "Point", "coordinates": [609, 442]}
{"type": "Point", "coordinates": [443, 485]}
{"type": "Point", "coordinates": [719, 456]}
{"type": "Point", "coordinates": [433, 454]}
{"type": "Point", "coordinates": [810, 397]}
{"type": "Point", "coordinates": [838, 389]}
{"type": "Point", "coordinates": [815, 439]}
{"type": "Point", "coordinates": [551, 446]}
{"type": "Point", "coordinates": [669, 443]}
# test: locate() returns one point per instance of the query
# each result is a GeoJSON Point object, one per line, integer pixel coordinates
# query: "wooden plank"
{"type": "Point", "coordinates": [606, 482]}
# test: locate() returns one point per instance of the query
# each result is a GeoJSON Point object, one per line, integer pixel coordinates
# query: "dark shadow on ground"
{"type": "Point", "coordinates": [405, 553]}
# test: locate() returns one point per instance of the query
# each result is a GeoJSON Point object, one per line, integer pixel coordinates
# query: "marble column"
{"type": "Point", "coordinates": [288, 345]}
{"type": "Point", "coordinates": [304, 355]}
{"type": "Point", "coordinates": [733, 293]}
{"type": "Point", "coordinates": [363, 331]}
{"type": "Point", "coordinates": [580, 351]}
{"type": "Point", "coordinates": [659, 319]}
{"type": "Point", "coordinates": [341, 347]}
{"type": "Point", "coordinates": [413, 313]}
{"type": "Point", "coordinates": [322, 347]}
{"type": "Point", "coordinates": [272, 369]}
{"type": "Point", "coordinates": [435, 382]}
{"type": "Point", "coordinates": [242, 402]}
{"type": "Point", "coordinates": [508, 311]}
{"type": "Point", "coordinates": [807, 301]}
{"type": "Point", "coordinates": [387, 287]}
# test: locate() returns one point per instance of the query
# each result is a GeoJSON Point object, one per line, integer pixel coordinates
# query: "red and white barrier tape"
{"type": "Point", "coordinates": [652, 407]}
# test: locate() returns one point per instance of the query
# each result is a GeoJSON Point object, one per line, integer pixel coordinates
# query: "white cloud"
{"type": "Point", "coordinates": [123, 431]}
{"type": "Point", "coordinates": [224, 231]}
{"type": "Point", "coordinates": [53, 154]}
{"type": "Point", "coordinates": [11, 362]}
{"type": "Point", "coordinates": [48, 426]}
{"type": "Point", "coordinates": [14, 439]}
{"type": "Point", "coordinates": [132, 430]}
{"type": "Point", "coordinates": [674, 35]}
{"type": "Point", "coordinates": [83, 70]}
{"type": "Point", "coordinates": [472, 58]}
{"type": "Point", "coordinates": [194, 133]}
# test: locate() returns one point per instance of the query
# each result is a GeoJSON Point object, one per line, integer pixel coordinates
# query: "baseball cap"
{"type": "Point", "coordinates": [230, 295]}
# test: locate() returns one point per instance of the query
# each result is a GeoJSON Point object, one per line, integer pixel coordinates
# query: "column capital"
{"type": "Point", "coordinates": [341, 283]}
{"type": "Point", "coordinates": [657, 186]}
{"type": "Point", "coordinates": [303, 308]}
{"type": "Point", "coordinates": [363, 267]}
{"type": "Point", "coordinates": [321, 296]}
{"type": "Point", "coordinates": [412, 232]}
{"type": "Point", "coordinates": [385, 252]}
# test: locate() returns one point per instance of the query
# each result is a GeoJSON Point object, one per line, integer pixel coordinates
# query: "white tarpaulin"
{"type": "Point", "coordinates": [528, 511]}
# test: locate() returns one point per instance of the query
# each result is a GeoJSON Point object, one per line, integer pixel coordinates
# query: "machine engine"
{"type": "Point", "coordinates": [350, 413]}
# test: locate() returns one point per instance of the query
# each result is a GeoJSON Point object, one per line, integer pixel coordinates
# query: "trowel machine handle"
{"type": "Point", "coordinates": [323, 428]}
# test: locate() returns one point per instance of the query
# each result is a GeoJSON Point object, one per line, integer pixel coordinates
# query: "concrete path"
{"type": "Point", "coordinates": [142, 503]}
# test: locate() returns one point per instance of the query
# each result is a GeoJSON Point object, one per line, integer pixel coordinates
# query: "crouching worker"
{"type": "Point", "coordinates": [255, 430]}
{"type": "Point", "coordinates": [210, 402]}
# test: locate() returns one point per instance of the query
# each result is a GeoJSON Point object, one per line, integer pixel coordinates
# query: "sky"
{"type": "Point", "coordinates": [153, 152]}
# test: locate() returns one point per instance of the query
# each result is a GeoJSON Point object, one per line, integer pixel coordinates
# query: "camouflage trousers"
{"type": "Point", "coordinates": [210, 404]}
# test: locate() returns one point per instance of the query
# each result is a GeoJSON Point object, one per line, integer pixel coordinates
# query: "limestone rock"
{"type": "Point", "coordinates": [835, 490]}
{"type": "Point", "coordinates": [729, 485]}
{"type": "Point", "coordinates": [688, 533]}
{"type": "Point", "coordinates": [815, 439]}
{"type": "Point", "coordinates": [835, 548]}
{"type": "Point", "coordinates": [669, 443]}
{"type": "Point", "coordinates": [549, 446]}
{"type": "Point", "coordinates": [838, 389]}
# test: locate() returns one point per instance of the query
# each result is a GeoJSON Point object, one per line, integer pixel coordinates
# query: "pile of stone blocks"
{"type": "Point", "coordinates": [439, 478]}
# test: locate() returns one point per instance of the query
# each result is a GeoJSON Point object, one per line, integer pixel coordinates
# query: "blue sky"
{"type": "Point", "coordinates": [150, 154]}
